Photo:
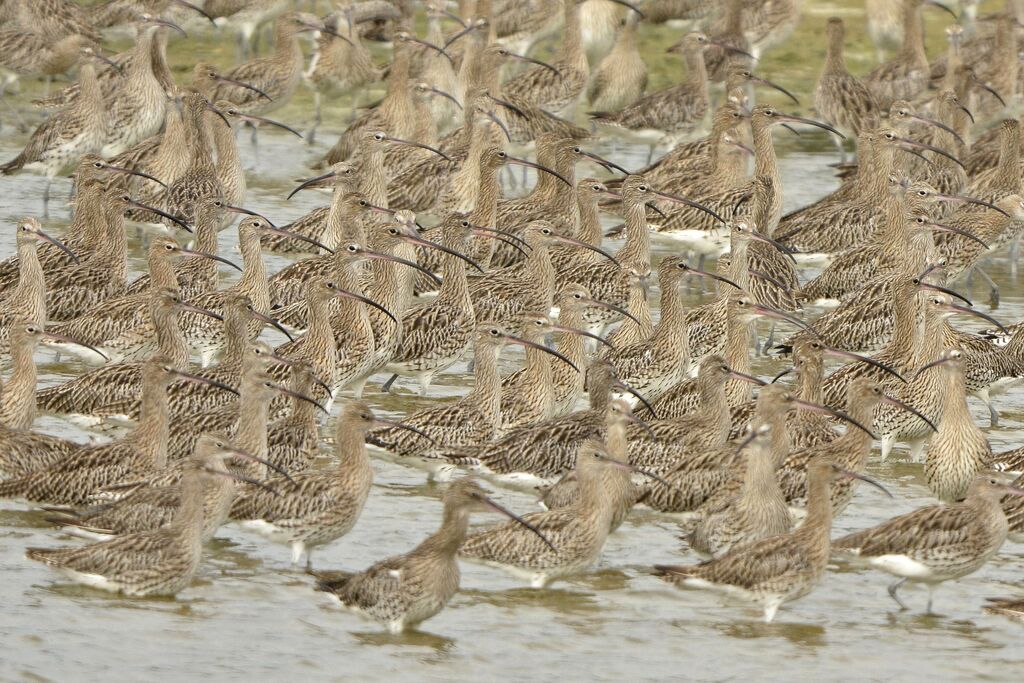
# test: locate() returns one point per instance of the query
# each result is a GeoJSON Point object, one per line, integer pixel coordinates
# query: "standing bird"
{"type": "Point", "coordinates": [403, 591]}
{"type": "Point", "coordinates": [148, 563]}
{"type": "Point", "coordinates": [64, 138]}
{"type": "Point", "coordinates": [779, 569]}
{"type": "Point", "coordinates": [621, 77]}
{"type": "Point", "coordinates": [317, 506]}
{"type": "Point", "coordinates": [840, 98]}
{"type": "Point", "coordinates": [936, 543]}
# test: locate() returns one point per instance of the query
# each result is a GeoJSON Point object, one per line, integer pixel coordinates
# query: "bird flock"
{"type": "Point", "coordinates": [419, 260]}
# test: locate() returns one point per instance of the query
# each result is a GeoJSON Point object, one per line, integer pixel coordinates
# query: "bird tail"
{"type": "Point", "coordinates": [14, 165]}
{"type": "Point", "coordinates": [672, 572]}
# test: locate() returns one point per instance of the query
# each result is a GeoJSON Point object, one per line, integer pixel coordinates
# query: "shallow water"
{"type": "Point", "coordinates": [249, 613]}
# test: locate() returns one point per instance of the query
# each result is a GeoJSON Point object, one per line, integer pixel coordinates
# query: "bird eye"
{"type": "Point", "coordinates": [464, 224]}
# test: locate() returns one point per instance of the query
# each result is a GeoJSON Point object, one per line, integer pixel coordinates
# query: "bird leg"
{"type": "Point", "coordinates": [993, 287]}
{"type": "Point", "coordinates": [386, 387]}
{"type": "Point", "coordinates": [893, 587]}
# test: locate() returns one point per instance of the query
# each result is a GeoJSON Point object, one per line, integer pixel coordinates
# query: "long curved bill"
{"type": "Point", "coordinates": [408, 428]}
{"type": "Point", "coordinates": [196, 8]}
{"type": "Point", "coordinates": [749, 151]}
{"type": "Point", "coordinates": [825, 410]}
{"type": "Point", "coordinates": [263, 119]}
{"type": "Point", "coordinates": [770, 312]}
{"type": "Point", "coordinates": [583, 333]}
{"type": "Point", "coordinates": [296, 236]}
{"type": "Point", "coordinates": [485, 232]}
{"type": "Point", "coordinates": [839, 353]}
{"type": "Point", "coordinates": [761, 237]}
{"type": "Point", "coordinates": [507, 105]}
{"type": "Point", "coordinates": [498, 122]}
{"type": "Point", "coordinates": [611, 307]}
{"type": "Point", "coordinates": [234, 450]}
{"type": "Point", "coordinates": [129, 171]}
{"type": "Point", "coordinates": [310, 182]}
{"type": "Point", "coordinates": [978, 314]}
{"type": "Point", "coordinates": [631, 6]}
{"type": "Point", "coordinates": [366, 300]}
{"type": "Point", "coordinates": [273, 323]}
{"type": "Point", "coordinates": [654, 207]}
{"type": "Point", "coordinates": [688, 202]}
{"type": "Point", "coordinates": [466, 30]}
{"type": "Point", "coordinates": [405, 262]}
{"type": "Point", "coordinates": [913, 411]}
{"type": "Point", "coordinates": [502, 510]}
{"type": "Point", "coordinates": [169, 24]}
{"type": "Point", "coordinates": [227, 474]}
{"type": "Point", "coordinates": [781, 374]}
{"type": "Point", "coordinates": [57, 243]}
{"type": "Point", "coordinates": [931, 148]}
{"type": "Point", "coordinates": [637, 395]}
{"type": "Point", "coordinates": [540, 347]}
{"type": "Point", "coordinates": [410, 143]}
{"type": "Point", "coordinates": [938, 124]}
{"type": "Point", "coordinates": [731, 48]}
{"type": "Point", "coordinates": [585, 245]}
{"type": "Point", "coordinates": [174, 219]}
{"type": "Point", "coordinates": [713, 276]}
{"type": "Point", "coordinates": [750, 379]}
{"type": "Point", "coordinates": [608, 165]}
{"type": "Point", "coordinates": [989, 89]}
{"type": "Point", "coordinates": [946, 291]}
{"type": "Point", "coordinates": [426, 87]}
{"type": "Point", "coordinates": [863, 477]}
{"type": "Point", "coordinates": [416, 239]}
{"type": "Point", "coordinates": [243, 84]}
{"type": "Point", "coordinates": [223, 117]}
{"type": "Point", "coordinates": [299, 395]}
{"type": "Point", "coordinates": [71, 340]}
{"type": "Point", "coordinates": [430, 46]}
{"type": "Point", "coordinates": [539, 167]}
{"type": "Point", "coordinates": [539, 62]}
{"type": "Point", "coordinates": [810, 122]}
{"type": "Point", "coordinates": [199, 379]}
{"type": "Point", "coordinates": [942, 227]}
{"type": "Point", "coordinates": [211, 257]}
{"type": "Point", "coordinates": [185, 306]}
{"type": "Point", "coordinates": [768, 278]}
{"type": "Point", "coordinates": [642, 425]}
{"type": "Point", "coordinates": [774, 86]}
{"type": "Point", "coordinates": [970, 200]}
{"type": "Point", "coordinates": [639, 470]}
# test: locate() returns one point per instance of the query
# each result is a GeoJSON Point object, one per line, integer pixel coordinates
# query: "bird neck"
{"type": "Point", "coordinates": [251, 433]}
{"type": "Point", "coordinates": [760, 489]}
{"type": "Point", "coordinates": [913, 35]}
{"type": "Point", "coordinates": [1007, 176]}
{"type": "Point", "coordinates": [572, 347]}
{"type": "Point", "coordinates": [737, 356]}
{"type": "Point", "coordinates": [254, 270]}
{"type": "Point", "coordinates": [571, 52]}
{"type": "Point", "coordinates": [853, 446]}
{"type": "Point", "coordinates": [636, 251]}
{"type": "Point", "coordinates": [189, 517]}
{"type": "Point", "coordinates": [344, 222]}
{"type": "Point", "coordinates": [765, 162]}
{"type": "Point", "coordinates": [18, 403]}
{"type": "Point", "coordinates": [488, 190]}
{"type": "Point", "coordinates": [223, 136]}
{"type": "Point", "coordinates": [90, 92]}
{"type": "Point", "coordinates": [89, 223]}
{"type": "Point", "coordinates": [835, 61]}
{"type": "Point", "coordinates": [697, 69]}
{"type": "Point", "coordinates": [373, 183]}
{"type": "Point", "coordinates": [589, 228]}
{"type": "Point", "coordinates": [236, 336]}
{"type": "Point", "coordinates": [31, 284]}
{"type": "Point", "coordinates": [818, 522]}
{"type": "Point", "coordinates": [454, 285]}
{"type": "Point", "coordinates": [153, 431]}
{"type": "Point", "coordinates": [810, 379]}
{"type": "Point", "coordinates": [169, 339]}
{"type": "Point", "coordinates": [954, 414]}
{"type": "Point", "coordinates": [447, 540]}
{"type": "Point", "coordinates": [161, 270]}
{"type": "Point", "coordinates": [486, 394]}
{"type": "Point", "coordinates": [303, 412]}
{"type": "Point", "coordinates": [541, 272]}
